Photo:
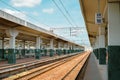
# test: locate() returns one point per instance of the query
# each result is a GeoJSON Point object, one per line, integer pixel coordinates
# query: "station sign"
{"type": "Point", "coordinates": [98, 18]}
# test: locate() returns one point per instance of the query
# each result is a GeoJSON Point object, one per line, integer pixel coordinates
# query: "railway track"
{"type": "Point", "coordinates": [14, 69]}
{"type": "Point", "coordinates": [40, 72]}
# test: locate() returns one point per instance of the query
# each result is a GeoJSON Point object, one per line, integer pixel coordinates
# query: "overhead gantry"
{"type": "Point", "coordinates": [104, 37]}
{"type": "Point", "coordinates": [18, 37]}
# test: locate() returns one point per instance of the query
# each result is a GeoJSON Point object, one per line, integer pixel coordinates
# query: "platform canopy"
{"type": "Point", "coordinates": [89, 8]}
{"type": "Point", "coordinates": [27, 30]}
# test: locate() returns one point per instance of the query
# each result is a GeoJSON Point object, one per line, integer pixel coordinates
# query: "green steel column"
{"type": "Point", "coordinates": [72, 51]}
{"type": "Point", "coordinates": [12, 34]}
{"type": "Point", "coordinates": [23, 49]}
{"type": "Point", "coordinates": [68, 51]}
{"type": "Point", "coordinates": [28, 51]}
{"type": "Point", "coordinates": [1, 53]}
{"type": "Point", "coordinates": [16, 51]}
{"type": "Point", "coordinates": [41, 51]}
{"type": "Point", "coordinates": [56, 51]}
{"type": "Point", "coordinates": [37, 54]}
{"type": "Point", "coordinates": [94, 52]}
{"type": "Point", "coordinates": [11, 56]}
{"type": "Point", "coordinates": [38, 50]}
{"type": "Point", "coordinates": [59, 52]}
{"type": "Point", "coordinates": [75, 50]}
{"type": "Point", "coordinates": [97, 53]}
{"type": "Point", "coordinates": [51, 52]}
{"type": "Point", "coordinates": [102, 56]}
{"type": "Point", "coordinates": [5, 54]}
{"type": "Point", "coordinates": [113, 62]}
{"type": "Point", "coordinates": [2, 49]}
{"type": "Point", "coordinates": [64, 51]}
{"type": "Point", "coordinates": [19, 52]}
{"type": "Point", "coordinates": [23, 52]}
{"type": "Point", "coordinates": [45, 52]}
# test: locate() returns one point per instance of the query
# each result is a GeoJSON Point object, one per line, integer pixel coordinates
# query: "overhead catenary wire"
{"type": "Point", "coordinates": [62, 12]}
{"type": "Point", "coordinates": [67, 12]}
{"type": "Point", "coordinates": [68, 15]}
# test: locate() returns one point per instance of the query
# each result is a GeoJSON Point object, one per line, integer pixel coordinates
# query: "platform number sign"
{"type": "Point", "coordinates": [98, 18]}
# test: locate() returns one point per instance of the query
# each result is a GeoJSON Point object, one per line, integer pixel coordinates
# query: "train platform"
{"type": "Point", "coordinates": [95, 71]}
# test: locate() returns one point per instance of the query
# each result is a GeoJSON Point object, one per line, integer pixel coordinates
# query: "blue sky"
{"type": "Point", "coordinates": [46, 13]}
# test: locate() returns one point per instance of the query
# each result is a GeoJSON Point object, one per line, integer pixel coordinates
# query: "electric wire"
{"type": "Point", "coordinates": [67, 12]}
{"type": "Point", "coordinates": [62, 12]}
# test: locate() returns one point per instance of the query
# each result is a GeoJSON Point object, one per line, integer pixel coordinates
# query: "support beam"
{"type": "Point", "coordinates": [51, 47]}
{"type": "Point", "coordinates": [12, 33]}
{"type": "Point", "coordinates": [2, 48]}
{"type": "Point", "coordinates": [59, 51]}
{"type": "Point", "coordinates": [59, 45]}
{"type": "Point", "coordinates": [113, 41]}
{"type": "Point", "coordinates": [102, 49]}
{"type": "Point", "coordinates": [96, 47]}
{"type": "Point", "coordinates": [52, 44]}
{"type": "Point", "coordinates": [23, 49]}
{"type": "Point", "coordinates": [37, 50]}
{"type": "Point", "coordinates": [97, 42]}
{"type": "Point", "coordinates": [38, 42]}
{"type": "Point", "coordinates": [65, 45]}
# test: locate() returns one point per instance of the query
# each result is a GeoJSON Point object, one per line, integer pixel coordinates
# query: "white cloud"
{"type": "Point", "coordinates": [49, 11]}
{"type": "Point", "coordinates": [16, 13]}
{"type": "Point", "coordinates": [25, 3]}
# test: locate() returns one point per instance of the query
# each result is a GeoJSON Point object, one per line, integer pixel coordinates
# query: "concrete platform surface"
{"type": "Point", "coordinates": [94, 71]}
